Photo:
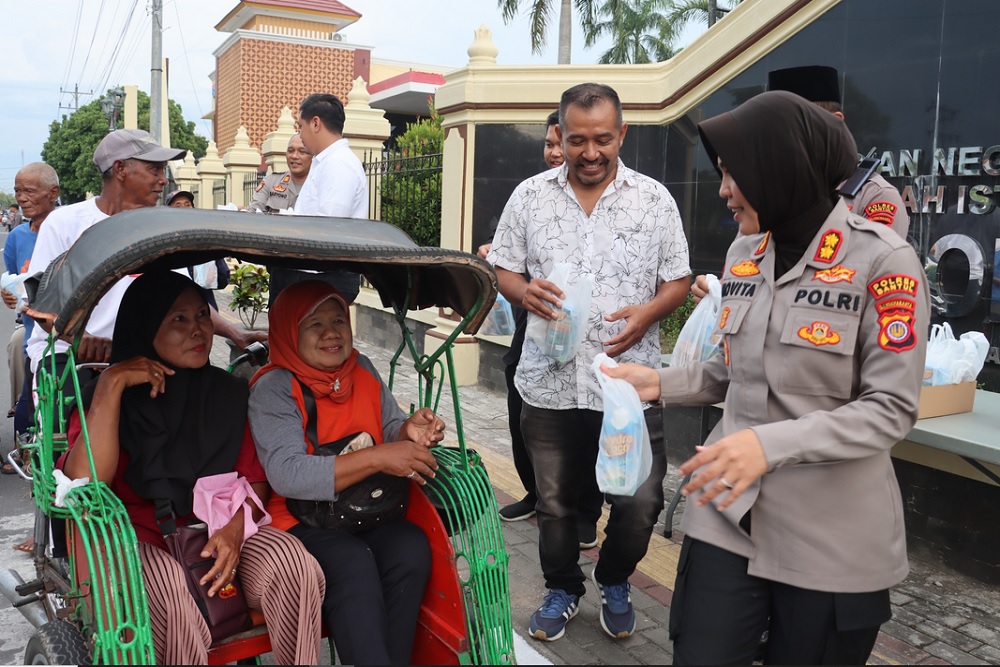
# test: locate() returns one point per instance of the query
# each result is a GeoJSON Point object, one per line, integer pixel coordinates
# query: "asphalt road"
{"type": "Point", "coordinates": [16, 512]}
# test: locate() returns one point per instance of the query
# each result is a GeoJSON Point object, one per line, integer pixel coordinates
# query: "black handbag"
{"type": "Point", "coordinates": [226, 612]}
{"type": "Point", "coordinates": [360, 507]}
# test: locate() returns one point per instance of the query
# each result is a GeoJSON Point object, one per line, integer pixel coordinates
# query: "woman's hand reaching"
{"type": "Point", "coordinates": [423, 427]}
{"type": "Point", "coordinates": [226, 544]}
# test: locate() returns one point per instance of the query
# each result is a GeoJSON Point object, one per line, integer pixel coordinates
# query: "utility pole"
{"type": "Point", "coordinates": [76, 96]}
{"type": "Point", "coordinates": [156, 71]}
{"type": "Point", "coordinates": [713, 12]}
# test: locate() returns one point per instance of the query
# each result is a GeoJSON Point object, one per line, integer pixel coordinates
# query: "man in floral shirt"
{"type": "Point", "coordinates": [622, 230]}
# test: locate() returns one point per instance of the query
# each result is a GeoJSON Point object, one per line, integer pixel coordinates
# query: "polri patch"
{"type": "Point", "coordinates": [828, 246]}
{"type": "Point", "coordinates": [896, 334]}
{"type": "Point", "coordinates": [260, 186]}
{"type": "Point", "coordinates": [819, 334]}
{"type": "Point", "coordinates": [897, 283]}
{"type": "Point", "coordinates": [744, 269]}
{"type": "Point", "coordinates": [835, 274]}
{"type": "Point", "coordinates": [881, 211]}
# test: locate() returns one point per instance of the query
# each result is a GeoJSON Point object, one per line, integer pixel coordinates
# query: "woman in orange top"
{"type": "Point", "coordinates": [376, 579]}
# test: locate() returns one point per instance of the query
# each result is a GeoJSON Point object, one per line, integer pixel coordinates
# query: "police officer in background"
{"type": "Point", "coordinates": [876, 199]}
{"type": "Point", "coordinates": [279, 191]}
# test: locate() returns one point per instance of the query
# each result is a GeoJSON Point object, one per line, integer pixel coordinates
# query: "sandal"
{"type": "Point", "coordinates": [6, 468]}
{"type": "Point", "coordinates": [27, 546]}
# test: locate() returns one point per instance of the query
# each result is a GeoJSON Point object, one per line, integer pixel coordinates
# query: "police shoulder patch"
{"type": "Point", "coordinates": [897, 283]}
{"type": "Point", "coordinates": [260, 186]}
{"type": "Point", "coordinates": [881, 211]}
{"type": "Point", "coordinates": [897, 332]}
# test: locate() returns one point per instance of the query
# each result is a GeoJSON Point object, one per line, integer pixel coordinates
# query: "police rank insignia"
{"type": "Point", "coordinates": [763, 245]}
{"type": "Point", "coordinates": [723, 317]}
{"type": "Point", "coordinates": [819, 333]}
{"type": "Point", "coordinates": [835, 274]}
{"type": "Point", "coordinates": [881, 211]}
{"type": "Point", "coordinates": [828, 247]}
{"type": "Point", "coordinates": [896, 334]}
{"type": "Point", "coordinates": [744, 269]}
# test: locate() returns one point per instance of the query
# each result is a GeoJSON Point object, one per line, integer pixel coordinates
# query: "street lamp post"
{"type": "Point", "coordinates": [112, 104]}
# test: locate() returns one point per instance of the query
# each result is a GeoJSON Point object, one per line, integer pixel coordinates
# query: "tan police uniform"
{"type": "Point", "coordinates": [275, 193]}
{"type": "Point", "coordinates": [880, 201]}
{"type": "Point", "coordinates": [825, 364]}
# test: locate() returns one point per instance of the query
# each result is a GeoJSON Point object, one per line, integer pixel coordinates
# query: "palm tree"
{"type": "Point", "coordinates": [706, 11]}
{"type": "Point", "coordinates": [539, 13]}
{"type": "Point", "coordinates": [641, 33]}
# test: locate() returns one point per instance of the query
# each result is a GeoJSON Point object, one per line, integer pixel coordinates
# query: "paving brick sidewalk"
{"type": "Point", "coordinates": [939, 617]}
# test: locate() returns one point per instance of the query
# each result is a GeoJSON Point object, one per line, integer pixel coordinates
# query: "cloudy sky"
{"type": "Point", "coordinates": [54, 45]}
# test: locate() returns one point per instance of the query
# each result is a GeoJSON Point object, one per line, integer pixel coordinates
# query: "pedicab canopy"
{"type": "Point", "coordinates": [407, 276]}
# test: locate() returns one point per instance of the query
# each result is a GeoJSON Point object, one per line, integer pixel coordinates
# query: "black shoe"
{"type": "Point", "coordinates": [519, 511]}
{"type": "Point", "coordinates": [587, 532]}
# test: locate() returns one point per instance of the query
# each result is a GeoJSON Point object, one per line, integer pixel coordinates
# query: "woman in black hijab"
{"type": "Point", "coordinates": [159, 418]}
{"type": "Point", "coordinates": [794, 514]}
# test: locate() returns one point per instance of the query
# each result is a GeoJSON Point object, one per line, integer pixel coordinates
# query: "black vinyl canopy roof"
{"type": "Point", "coordinates": [407, 276]}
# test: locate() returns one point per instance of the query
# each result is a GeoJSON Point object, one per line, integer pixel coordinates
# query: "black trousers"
{"type": "Point", "coordinates": [563, 447]}
{"type": "Point", "coordinates": [718, 613]}
{"type": "Point", "coordinates": [375, 582]}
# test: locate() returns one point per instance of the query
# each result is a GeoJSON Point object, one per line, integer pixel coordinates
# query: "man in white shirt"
{"type": "Point", "coordinates": [133, 174]}
{"type": "Point", "coordinates": [336, 185]}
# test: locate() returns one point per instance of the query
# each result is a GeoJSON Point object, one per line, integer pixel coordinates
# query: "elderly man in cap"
{"type": "Point", "coordinates": [133, 174]}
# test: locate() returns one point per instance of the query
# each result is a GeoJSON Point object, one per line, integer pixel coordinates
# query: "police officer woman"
{"type": "Point", "coordinates": [794, 510]}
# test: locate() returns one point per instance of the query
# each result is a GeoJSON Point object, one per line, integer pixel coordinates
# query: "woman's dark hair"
{"type": "Point", "coordinates": [586, 95]}
{"type": "Point", "coordinates": [328, 107]}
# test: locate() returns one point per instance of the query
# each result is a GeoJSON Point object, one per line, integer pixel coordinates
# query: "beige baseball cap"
{"type": "Point", "coordinates": [132, 144]}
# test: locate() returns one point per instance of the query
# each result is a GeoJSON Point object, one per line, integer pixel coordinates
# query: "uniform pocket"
{"type": "Point", "coordinates": [818, 346]}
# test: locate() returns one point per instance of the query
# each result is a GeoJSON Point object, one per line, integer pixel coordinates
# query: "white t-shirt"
{"type": "Point", "coordinates": [336, 185]}
{"type": "Point", "coordinates": [61, 230]}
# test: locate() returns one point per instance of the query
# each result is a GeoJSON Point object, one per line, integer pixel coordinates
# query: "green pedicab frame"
{"type": "Point", "coordinates": [406, 276]}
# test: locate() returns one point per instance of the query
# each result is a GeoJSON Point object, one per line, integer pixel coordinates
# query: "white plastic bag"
{"type": "Point", "coordinates": [500, 321]}
{"type": "Point", "coordinates": [625, 456]}
{"type": "Point", "coordinates": [207, 275]}
{"type": "Point", "coordinates": [700, 337]}
{"type": "Point", "coordinates": [950, 360]}
{"type": "Point", "coordinates": [560, 338]}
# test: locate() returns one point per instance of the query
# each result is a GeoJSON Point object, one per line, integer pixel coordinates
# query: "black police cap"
{"type": "Point", "coordinates": [816, 83]}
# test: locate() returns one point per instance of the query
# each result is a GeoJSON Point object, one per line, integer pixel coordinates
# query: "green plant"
{"type": "Point", "coordinates": [411, 186]}
{"type": "Point", "coordinates": [670, 326]}
{"type": "Point", "coordinates": [249, 299]}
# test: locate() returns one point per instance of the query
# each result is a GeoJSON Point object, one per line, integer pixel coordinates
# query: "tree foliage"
{"type": "Point", "coordinates": [71, 143]}
{"type": "Point", "coordinates": [641, 31]}
{"type": "Point", "coordinates": [411, 182]}
{"type": "Point", "coordinates": [540, 14]}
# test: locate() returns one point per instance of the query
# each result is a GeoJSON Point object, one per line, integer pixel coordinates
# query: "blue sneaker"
{"type": "Point", "coordinates": [617, 613]}
{"type": "Point", "coordinates": [548, 623]}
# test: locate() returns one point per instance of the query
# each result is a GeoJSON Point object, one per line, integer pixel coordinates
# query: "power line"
{"type": "Point", "coordinates": [100, 10]}
{"type": "Point", "coordinates": [76, 93]}
{"type": "Point", "coordinates": [194, 89]}
{"type": "Point", "coordinates": [72, 47]}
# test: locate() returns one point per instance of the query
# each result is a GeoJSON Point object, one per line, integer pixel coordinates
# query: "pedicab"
{"type": "Point", "coordinates": [88, 598]}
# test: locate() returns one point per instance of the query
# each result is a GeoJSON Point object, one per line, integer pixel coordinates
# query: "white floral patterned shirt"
{"type": "Point", "coordinates": [631, 243]}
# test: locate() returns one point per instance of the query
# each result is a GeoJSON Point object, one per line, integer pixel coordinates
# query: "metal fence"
{"type": "Point", "coordinates": [250, 183]}
{"type": "Point", "coordinates": [406, 191]}
{"type": "Point", "coordinates": [219, 194]}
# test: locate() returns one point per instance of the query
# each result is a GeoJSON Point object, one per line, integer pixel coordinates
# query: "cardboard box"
{"type": "Point", "coordinates": [946, 399]}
